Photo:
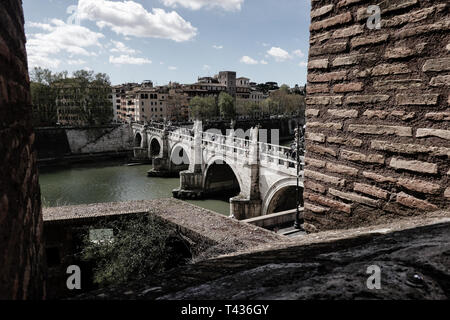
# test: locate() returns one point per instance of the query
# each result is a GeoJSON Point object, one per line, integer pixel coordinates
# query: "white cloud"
{"type": "Point", "coordinates": [76, 62]}
{"type": "Point", "coordinates": [279, 54]}
{"type": "Point", "coordinates": [228, 5]}
{"type": "Point", "coordinates": [59, 37]}
{"type": "Point", "coordinates": [120, 47]}
{"type": "Point", "coordinates": [172, 68]}
{"type": "Point", "coordinates": [130, 18]}
{"type": "Point", "coordinates": [263, 62]}
{"type": "Point", "coordinates": [217, 47]}
{"type": "Point", "coordinates": [248, 60]}
{"type": "Point", "coordinates": [206, 67]}
{"type": "Point", "coordinates": [126, 59]}
{"type": "Point", "coordinates": [303, 64]}
{"type": "Point", "coordinates": [299, 53]}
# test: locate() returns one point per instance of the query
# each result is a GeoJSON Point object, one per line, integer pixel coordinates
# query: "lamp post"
{"type": "Point", "coordinates": [297, 191]}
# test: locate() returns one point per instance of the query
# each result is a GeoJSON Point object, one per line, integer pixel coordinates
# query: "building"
{"type": "Point", "coordinates": [144, 103]}
{"type": "Point", "coordinates": [81, 104]}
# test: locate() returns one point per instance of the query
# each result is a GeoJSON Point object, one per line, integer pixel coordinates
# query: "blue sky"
{"type": "Point", "coordinates": [171, 40]}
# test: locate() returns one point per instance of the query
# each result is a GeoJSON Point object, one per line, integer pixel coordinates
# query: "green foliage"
{"type": "Point", "coordinates": [142, 247]}
{"type": "Point", "coordinates": [227, 106]}
{"type": "Point", "coordinates": [203, 108]}
{"type": "Point", "coordinates": [88, 92]}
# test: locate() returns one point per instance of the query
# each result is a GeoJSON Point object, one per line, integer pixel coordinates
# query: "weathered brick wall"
{"type": "Point", "coordinates": [21, 249]}
{"type": "Point", "coordinates": [378, 141]}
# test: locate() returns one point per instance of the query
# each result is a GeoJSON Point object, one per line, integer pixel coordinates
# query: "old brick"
{"type": "Point", "coordinates": [337, 168]}
{"type": "Point", "coordinates": [421, 99]}
{"type": "Point", "coordinates": [309, 185]}
{"type": "Point", "coordinates": [317, 137]}
{"type": "Point", "coordinates": [312, 112]}
{"type": "Point", "coordinates": [348, 32]}
{"type": "Point", "coordinates": [315, 209]}
{"type": "Point", "coordinates": [352, 59]}
{"type": "Point", "coordinates": [4, 50]}
{"type": "Point", "coordinates": [348, 87]}
{"type": "Point", "coordinates": [336, 20]}
{"type": "Point", "coordinates": [321, 11]}
{"type": "Point", "coordinates": [340, 206]}
{"type": "Point", "coordinates": [403, 115]}
{"type": "Point", "coordinates": [326, 77]}
{"type": "Point", "coordinates": [371, 190]}
{"type": "Point", "coordinates": [315, 163]}
{"type": "Point", "coordinates": [324, 178]}
{"type": "Point", "coordinates": [386, 6]}
{"type": "Point", "coordinates": [381, 130]}
{"type": "Point", "coordinates": [345, 3]}
{"type": "Point", "coordinates": [345, 141]}
{"type": "Point", "coordinates": [442, 25]}
{"type": "Point", "coordinates": [406, 84]}
{"type": "Point", "coordinates": [447, 193]}
{"type": "Point", "coordinates": [390, 69]}
{"type": "Point", "coordinates": [360, 157]}
{"type": "Point", "coordinates": [443, 134]}
{"type": "Point", "coordinates": [339, 113]}
{"type": "Point", "coordinates": [440, 81]}
{"type": "Point", "coordinates": [378, 178]}
{"type": "Point", "coordinates": [318, 64]}
{"type": "Point", "coordinates": [399, 52]}
{"type": "Point", "coordinates": [410, 17]}
{"type": "Point", "coordinates": [438, 116]}
{"type": "Point", "coordinates": [368, 40]}
{"type": "Point", "coordinates": [412, 202]}
{"type": "Point", "coordinates": [419, 185]}
{"type": "Point", "coordinates": [354, 197]}
{"type": "Point", "coordinates": [317, 88]}
{"type": "Point", "coordinates": [409, 148]}
{"type": "Point", "coordinates": [380, 114]}
{"type": "Point", "coordinates": [321, 37]}
{"type": "Point", "coordinates": [324, 100]}
{"type": "Point", "coordinates": [328, 48]}
{"type": "Point", "coordinates": [377, 98]}
{"type": "Point", "coordinates": [321, 150]}
{"type": "Point", "coordinates": [414, 165]}
{"type": "Point", "coordinates": [441, 64]}
{"type": "Point", "coordinates": [326, 125]}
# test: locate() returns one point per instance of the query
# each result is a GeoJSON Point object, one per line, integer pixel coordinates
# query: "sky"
{"type": "Point", "coordinates": [171, 40]}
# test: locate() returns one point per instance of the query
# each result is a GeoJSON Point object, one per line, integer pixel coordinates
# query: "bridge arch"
{"type": "Point", "coordinates": [156, 147]}
{"type": "Point", "coordinates": [138, 140]}
{"type": "Point", "coordinates": [219, 167]}
{"type": "Point", "coordinates": [281, 196]}
{"type": "Point", "coordinates": [179, 157]}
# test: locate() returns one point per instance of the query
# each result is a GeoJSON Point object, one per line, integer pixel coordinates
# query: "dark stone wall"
{"type": "Point", "coordinates": [21, 249]}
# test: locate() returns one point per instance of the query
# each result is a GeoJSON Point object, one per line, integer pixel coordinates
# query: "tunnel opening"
{"type": "Point", "coordinates": [221, 181]}
{"type": "Point", "coordinates": [138, 140]}
{"type": "Point", "coordinates": [155, 148]}
{"type": "Point", "coordinates": [285, 199]}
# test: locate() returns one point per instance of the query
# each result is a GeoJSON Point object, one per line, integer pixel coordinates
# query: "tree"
{"type": "Point", "coordinates": [227, 106]}
{"type": "Point", "coordinates": [203, 108]}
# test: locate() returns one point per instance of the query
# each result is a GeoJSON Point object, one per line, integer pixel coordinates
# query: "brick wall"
{"type": "Point", "coordinates": [378, 134]}
{"type": "Point", "coordinates": [21, 249]}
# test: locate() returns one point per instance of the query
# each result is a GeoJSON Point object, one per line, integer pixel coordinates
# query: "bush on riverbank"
{"type": "Point", "coordinates": [142, 246]}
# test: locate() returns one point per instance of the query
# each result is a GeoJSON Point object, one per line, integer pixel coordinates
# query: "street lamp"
{"type": "Point", "coordinates": [297, 224]}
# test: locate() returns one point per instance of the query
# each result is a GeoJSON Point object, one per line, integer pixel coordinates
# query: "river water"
{"type": "Point", "coordinates": [111, 183]}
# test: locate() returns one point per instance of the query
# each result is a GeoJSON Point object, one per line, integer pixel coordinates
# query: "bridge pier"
{"type": "Point", "coordinates": [242, 209]}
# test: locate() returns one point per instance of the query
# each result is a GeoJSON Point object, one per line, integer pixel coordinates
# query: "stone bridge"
{"type": "Point", "coordinates": [260, 178]}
